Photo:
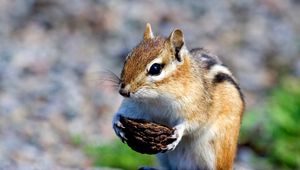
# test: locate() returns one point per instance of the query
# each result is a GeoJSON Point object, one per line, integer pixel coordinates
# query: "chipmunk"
{"type": "Point", "coordinates": [192, 91]}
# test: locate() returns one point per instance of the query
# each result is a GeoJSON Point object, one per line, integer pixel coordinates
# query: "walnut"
{"type": "Point", "coordinates": [146, 137]}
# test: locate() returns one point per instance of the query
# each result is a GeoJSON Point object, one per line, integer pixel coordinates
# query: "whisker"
{"type": "Point", "coordinates": [111, 75]}
{"type": "Point", "coordinates": [105, 79]}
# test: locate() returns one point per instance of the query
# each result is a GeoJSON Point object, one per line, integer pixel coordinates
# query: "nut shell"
{"type": "Point", "coordinates": [146, 137]}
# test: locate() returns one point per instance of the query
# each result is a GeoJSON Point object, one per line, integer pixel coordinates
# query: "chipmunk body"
{"type": "Point", "coordinates": [189, 90]}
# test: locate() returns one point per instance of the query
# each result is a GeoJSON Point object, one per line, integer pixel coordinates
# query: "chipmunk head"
{"type": "Point", "coordinates": [150, 68]}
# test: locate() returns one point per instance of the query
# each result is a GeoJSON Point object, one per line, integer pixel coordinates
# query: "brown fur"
{"type": "Point", "coordinates": [140, 56]}
{"type": "Point", "coordinates": [228, 108]}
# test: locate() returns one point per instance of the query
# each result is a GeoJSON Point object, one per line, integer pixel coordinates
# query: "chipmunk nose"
{"type": "Point", "coordinates": [124, 92]}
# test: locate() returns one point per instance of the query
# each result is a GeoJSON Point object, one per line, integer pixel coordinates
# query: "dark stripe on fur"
{"type": "Point", "coordinates": [196, 50]}
{"type": "Point", "coordinates": [205, 58]}
{"type": "Point", "coordinates": [209, 61]}
{"type": "Point", "coordinates": [222, 77]}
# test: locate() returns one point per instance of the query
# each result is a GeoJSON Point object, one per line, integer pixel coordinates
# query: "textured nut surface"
{"type": "Point", "coordinates": [147, 137]}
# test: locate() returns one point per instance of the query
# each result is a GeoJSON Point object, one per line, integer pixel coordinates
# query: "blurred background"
{"type": "Point", "coordinates": [55, 111]}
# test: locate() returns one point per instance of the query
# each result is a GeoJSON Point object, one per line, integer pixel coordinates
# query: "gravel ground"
{"type": "Point", "coordinates": [53, 54]}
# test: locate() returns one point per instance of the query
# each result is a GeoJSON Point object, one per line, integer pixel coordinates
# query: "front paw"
{"type": "Point", "coordinates": [177, 136]}
{"type": "Point", "coordinates": [119, 128]}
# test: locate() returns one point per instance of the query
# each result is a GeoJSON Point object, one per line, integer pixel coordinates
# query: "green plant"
{"type": "Point", "coordinates": [118, 155]}
{"type": "Point", "coordinates": [274, 132]}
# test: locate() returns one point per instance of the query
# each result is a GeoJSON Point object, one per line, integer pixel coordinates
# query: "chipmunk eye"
{"type": "Point", "coordinates": [155, 69]}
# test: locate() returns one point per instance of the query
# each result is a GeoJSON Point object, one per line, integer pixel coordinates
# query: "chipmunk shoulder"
{"type": "Point", "coordinates": [190, 90]}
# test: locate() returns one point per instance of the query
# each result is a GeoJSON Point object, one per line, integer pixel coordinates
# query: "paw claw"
{"type": "Point", "coordinates": [175, 135]}
{"type": "Point", "coordinates": [170, 147]}
{"type": "Point", "coordinates": [120, 125]}
{"type": "Point", "coordinates": [122, 135]}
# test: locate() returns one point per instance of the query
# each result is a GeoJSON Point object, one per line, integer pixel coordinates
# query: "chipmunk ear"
{"type": "Point", "coordinates": [176, 40]}
{"type": "Point", "coordinates": [148, 34]}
